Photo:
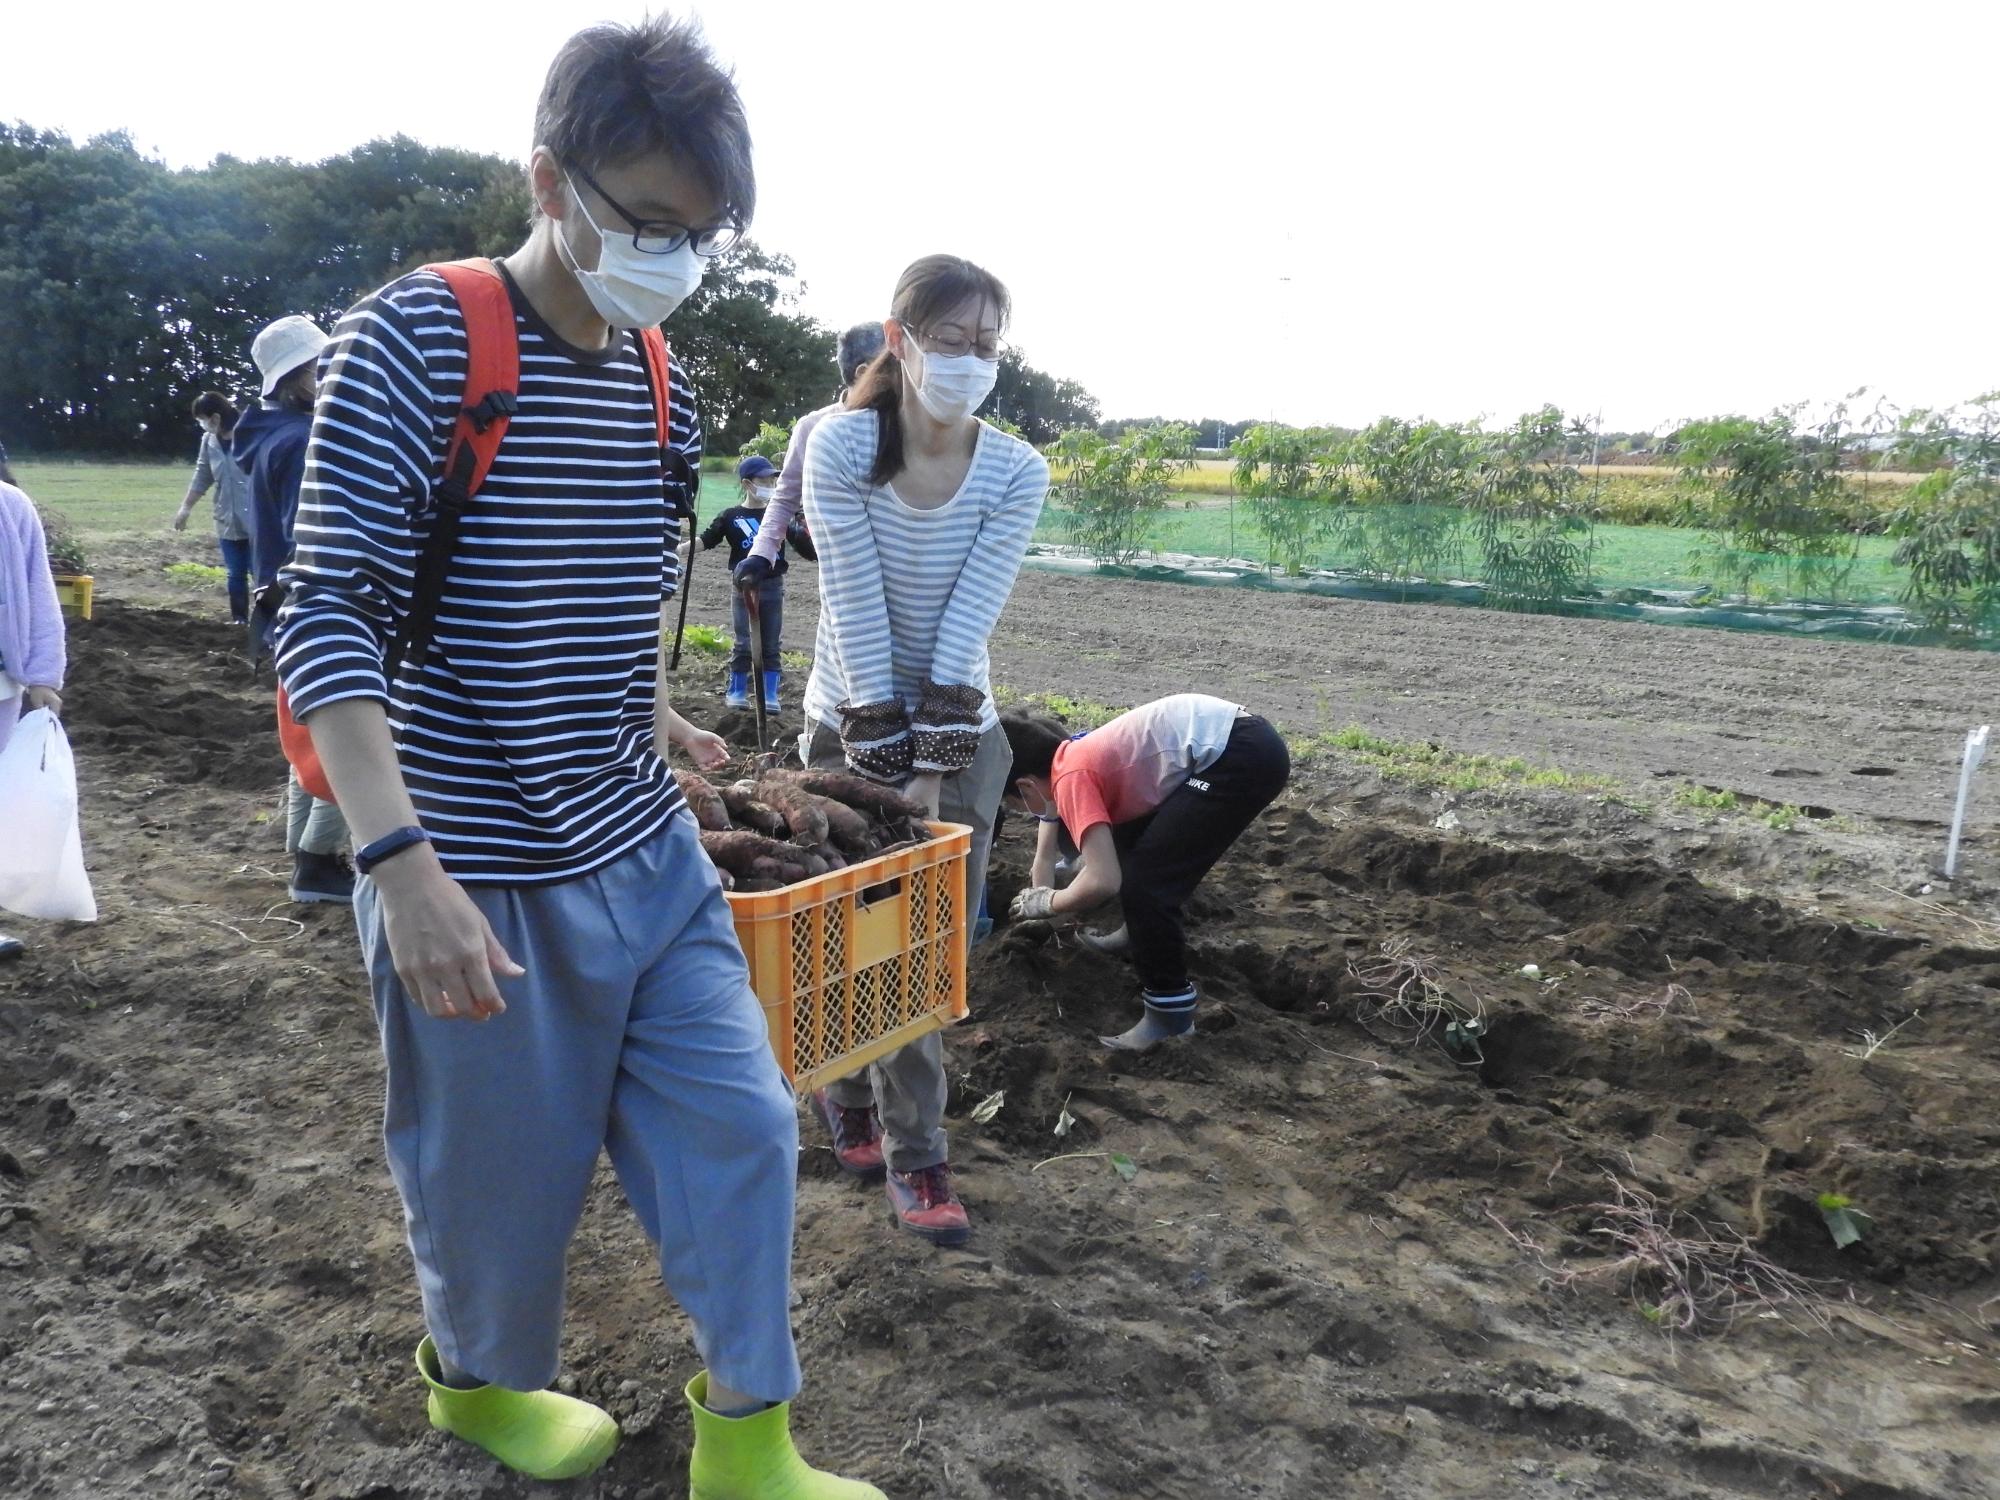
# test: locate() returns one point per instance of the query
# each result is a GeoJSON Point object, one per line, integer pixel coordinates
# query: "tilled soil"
{"type": "Point", "coordinates": [1863, 730]}
{"type": "Point", "coordinates": [1345, 1263]}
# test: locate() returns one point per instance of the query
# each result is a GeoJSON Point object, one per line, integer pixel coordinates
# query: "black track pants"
{"type": "Point", "coordinates": [1164, 855]}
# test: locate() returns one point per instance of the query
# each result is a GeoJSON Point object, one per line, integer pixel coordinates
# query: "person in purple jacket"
{"type": "Point", "coordinates": [32, 651]}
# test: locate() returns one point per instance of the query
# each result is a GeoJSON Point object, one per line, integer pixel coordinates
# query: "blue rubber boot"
{"type": "Point", "coordinates": [739, 690]}
{"type": "Point", "coordinates": [771, 692]}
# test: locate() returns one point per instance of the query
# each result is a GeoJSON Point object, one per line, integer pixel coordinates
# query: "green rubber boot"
{"type": "Point", "coordinates": [543, 1434]}
{"type": "Point", "coordinates": [752, 1458]}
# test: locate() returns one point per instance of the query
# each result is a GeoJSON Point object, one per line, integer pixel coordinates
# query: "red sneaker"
{"type": "Point", "coordinates": [857, 1136]}
{"type": "Point", "coordinates": [925, 1203]}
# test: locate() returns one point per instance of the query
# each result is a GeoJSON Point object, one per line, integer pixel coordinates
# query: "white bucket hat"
{"type": "Point", "coordinates": [283, 346]}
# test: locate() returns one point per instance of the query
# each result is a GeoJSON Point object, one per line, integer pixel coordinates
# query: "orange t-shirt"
{"type": "Point", "coordinates": [1130, 766]}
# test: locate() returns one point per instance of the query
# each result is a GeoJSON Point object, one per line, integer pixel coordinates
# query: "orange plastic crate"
{"type": "Point", "coordinates": [851, 965]}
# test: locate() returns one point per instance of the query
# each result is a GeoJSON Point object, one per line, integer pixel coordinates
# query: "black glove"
{"type": "Point", "coordinates": [751, 572]}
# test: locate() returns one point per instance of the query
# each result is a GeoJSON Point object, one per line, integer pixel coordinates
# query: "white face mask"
{"type": "Point", "coordinates": [759, 494]}
{"type": "Point", "coordinates": [1045, 812]}
{"type": "Point", "coordinates": [629, 288]}
{"type": "Point", "coordinates": [950, 386]}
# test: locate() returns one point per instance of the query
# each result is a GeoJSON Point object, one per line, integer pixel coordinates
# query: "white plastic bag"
{"type": "Point", "coordinates": [41, 848]}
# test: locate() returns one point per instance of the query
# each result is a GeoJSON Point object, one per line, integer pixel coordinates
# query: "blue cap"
{"type": "Point", "coordinates": [756, 466]}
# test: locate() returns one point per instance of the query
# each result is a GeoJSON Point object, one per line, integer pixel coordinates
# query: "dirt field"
{"type": "Point", "coordinates": [1317, 1283]}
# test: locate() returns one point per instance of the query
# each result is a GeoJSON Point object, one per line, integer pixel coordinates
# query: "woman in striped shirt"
{"type": "Point", "coordinates": [922, 514]}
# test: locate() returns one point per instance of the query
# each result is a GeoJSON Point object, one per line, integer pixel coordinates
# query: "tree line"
{"type": "Point", "coordinates": [127, 287]}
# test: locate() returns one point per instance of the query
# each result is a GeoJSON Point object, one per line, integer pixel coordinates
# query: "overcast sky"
{"type": "Point", "coordinates": [1317, 212]}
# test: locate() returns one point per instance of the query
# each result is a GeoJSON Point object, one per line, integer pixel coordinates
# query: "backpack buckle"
{"type": "Point", "coordinates": [491, 408]}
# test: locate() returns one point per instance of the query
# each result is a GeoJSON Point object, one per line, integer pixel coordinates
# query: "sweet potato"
{"type": "Point", "coordinates": [798, 807]}
{"type": "Point", "coordinates": [738, 852]}
{"type": "Point", "coordinates": [741, 800]}
{"type": "Point", "coordinates": [846, 827]}
{"type": "Point", "coordinates": [856, 791]}
{"type": "Point", "coordinates": [703, 801]}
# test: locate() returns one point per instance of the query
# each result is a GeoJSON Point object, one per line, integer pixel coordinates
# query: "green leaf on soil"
{"type": "Point", "coordinates": [1124, 1166]}
{"type": "Point", "coordinates": [1846, 1223]}
{"type": "Point", "coordinates": [1461, 1041]}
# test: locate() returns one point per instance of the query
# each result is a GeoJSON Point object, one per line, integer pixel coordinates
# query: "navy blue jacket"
{"type": "Point", "coordinates": [739, 526]}
{"type": "Point", "coordinates": [269, 445]}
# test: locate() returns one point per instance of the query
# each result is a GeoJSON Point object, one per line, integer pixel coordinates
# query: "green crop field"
{"type": "Point", "coordinates": [108, 499]}
{"type": "Point", "coordinates": [102, 500]}
{"type": "Point", "coordinates": [1632, 495]}
{"type": "Point", "coordinates": [1626, 557]}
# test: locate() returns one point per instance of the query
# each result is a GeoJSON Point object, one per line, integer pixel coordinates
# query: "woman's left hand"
{"type": "Point", "coordinates": [706, 749]}
{"type": "Point", "coordinates": [44, 697]}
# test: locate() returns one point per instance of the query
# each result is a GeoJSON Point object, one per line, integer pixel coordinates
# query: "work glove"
{"type": "Point", "coordinates": [751, 572]}
{"type": "Point", "coordinates": [1035, 904]}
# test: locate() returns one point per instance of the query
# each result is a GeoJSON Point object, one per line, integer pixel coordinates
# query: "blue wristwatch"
{"type": "Point", "coordinates": [391, 843]}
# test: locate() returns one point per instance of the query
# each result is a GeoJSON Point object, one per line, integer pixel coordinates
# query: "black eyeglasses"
{"type": "Point", "coordinates": [663, 239]}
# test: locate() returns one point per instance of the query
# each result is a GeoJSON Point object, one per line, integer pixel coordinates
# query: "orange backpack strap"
{"type": "Point", "coordinates": [653, 344]}
{"type": "Point", "coordinates": [492, 378]}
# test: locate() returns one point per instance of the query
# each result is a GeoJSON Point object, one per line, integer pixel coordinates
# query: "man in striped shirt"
{"type": "Point", "coordinates": [527, 861]}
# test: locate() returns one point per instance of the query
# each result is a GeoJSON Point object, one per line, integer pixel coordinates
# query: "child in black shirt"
{"type": "Point", "coordinates": [738, 526]}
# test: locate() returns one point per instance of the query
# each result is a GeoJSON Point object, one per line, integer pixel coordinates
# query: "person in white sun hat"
{"type": "Point", "coordinates": [270, 441]}
{"type": "Point", "coordinates": [269, 444]}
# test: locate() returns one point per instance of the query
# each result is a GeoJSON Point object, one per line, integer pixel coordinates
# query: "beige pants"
{"type": "Point", "coordinates": [908, 1087]}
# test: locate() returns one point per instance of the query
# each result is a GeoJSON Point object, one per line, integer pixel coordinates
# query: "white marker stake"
{"type": "Point", "coordinates": [1975, 752]}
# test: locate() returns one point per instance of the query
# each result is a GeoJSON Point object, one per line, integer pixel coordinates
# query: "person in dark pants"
{"type": "Point", "coordinates": [1151, 801]}
{"type": "Point", "coordinates": [739, 526]}
{"type": "Point", "coordinates": [269, 446]}
{"type": "Point", "coordinates": [213, 469]}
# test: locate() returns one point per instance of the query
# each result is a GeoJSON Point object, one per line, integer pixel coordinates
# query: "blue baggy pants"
{"type": "Point", "coordinates": [635, 1031]}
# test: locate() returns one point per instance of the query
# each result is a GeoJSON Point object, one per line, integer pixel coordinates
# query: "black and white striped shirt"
{"type": "Point", "coordinates": [527, 738]}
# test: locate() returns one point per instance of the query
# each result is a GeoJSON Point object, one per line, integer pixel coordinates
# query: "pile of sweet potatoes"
{"type": "Point", "coordinates": [779, 826]}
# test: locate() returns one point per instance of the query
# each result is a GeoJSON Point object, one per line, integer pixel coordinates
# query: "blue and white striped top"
{"type": "Point", "coordinates": [909, 595]}
{"type": "Point", "coordinates": [527, 738]}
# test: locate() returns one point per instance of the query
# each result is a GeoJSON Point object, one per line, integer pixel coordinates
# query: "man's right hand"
{"type": "Point", "coordinates": [443, 948]}
{"type": "Point", "coordinates": [751, 572]}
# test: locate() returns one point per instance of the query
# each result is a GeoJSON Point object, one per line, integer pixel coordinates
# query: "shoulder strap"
{"type": "Point", "coordinates": [653, 345]}
{"type": "Point", "coordinates": [492, 378]}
